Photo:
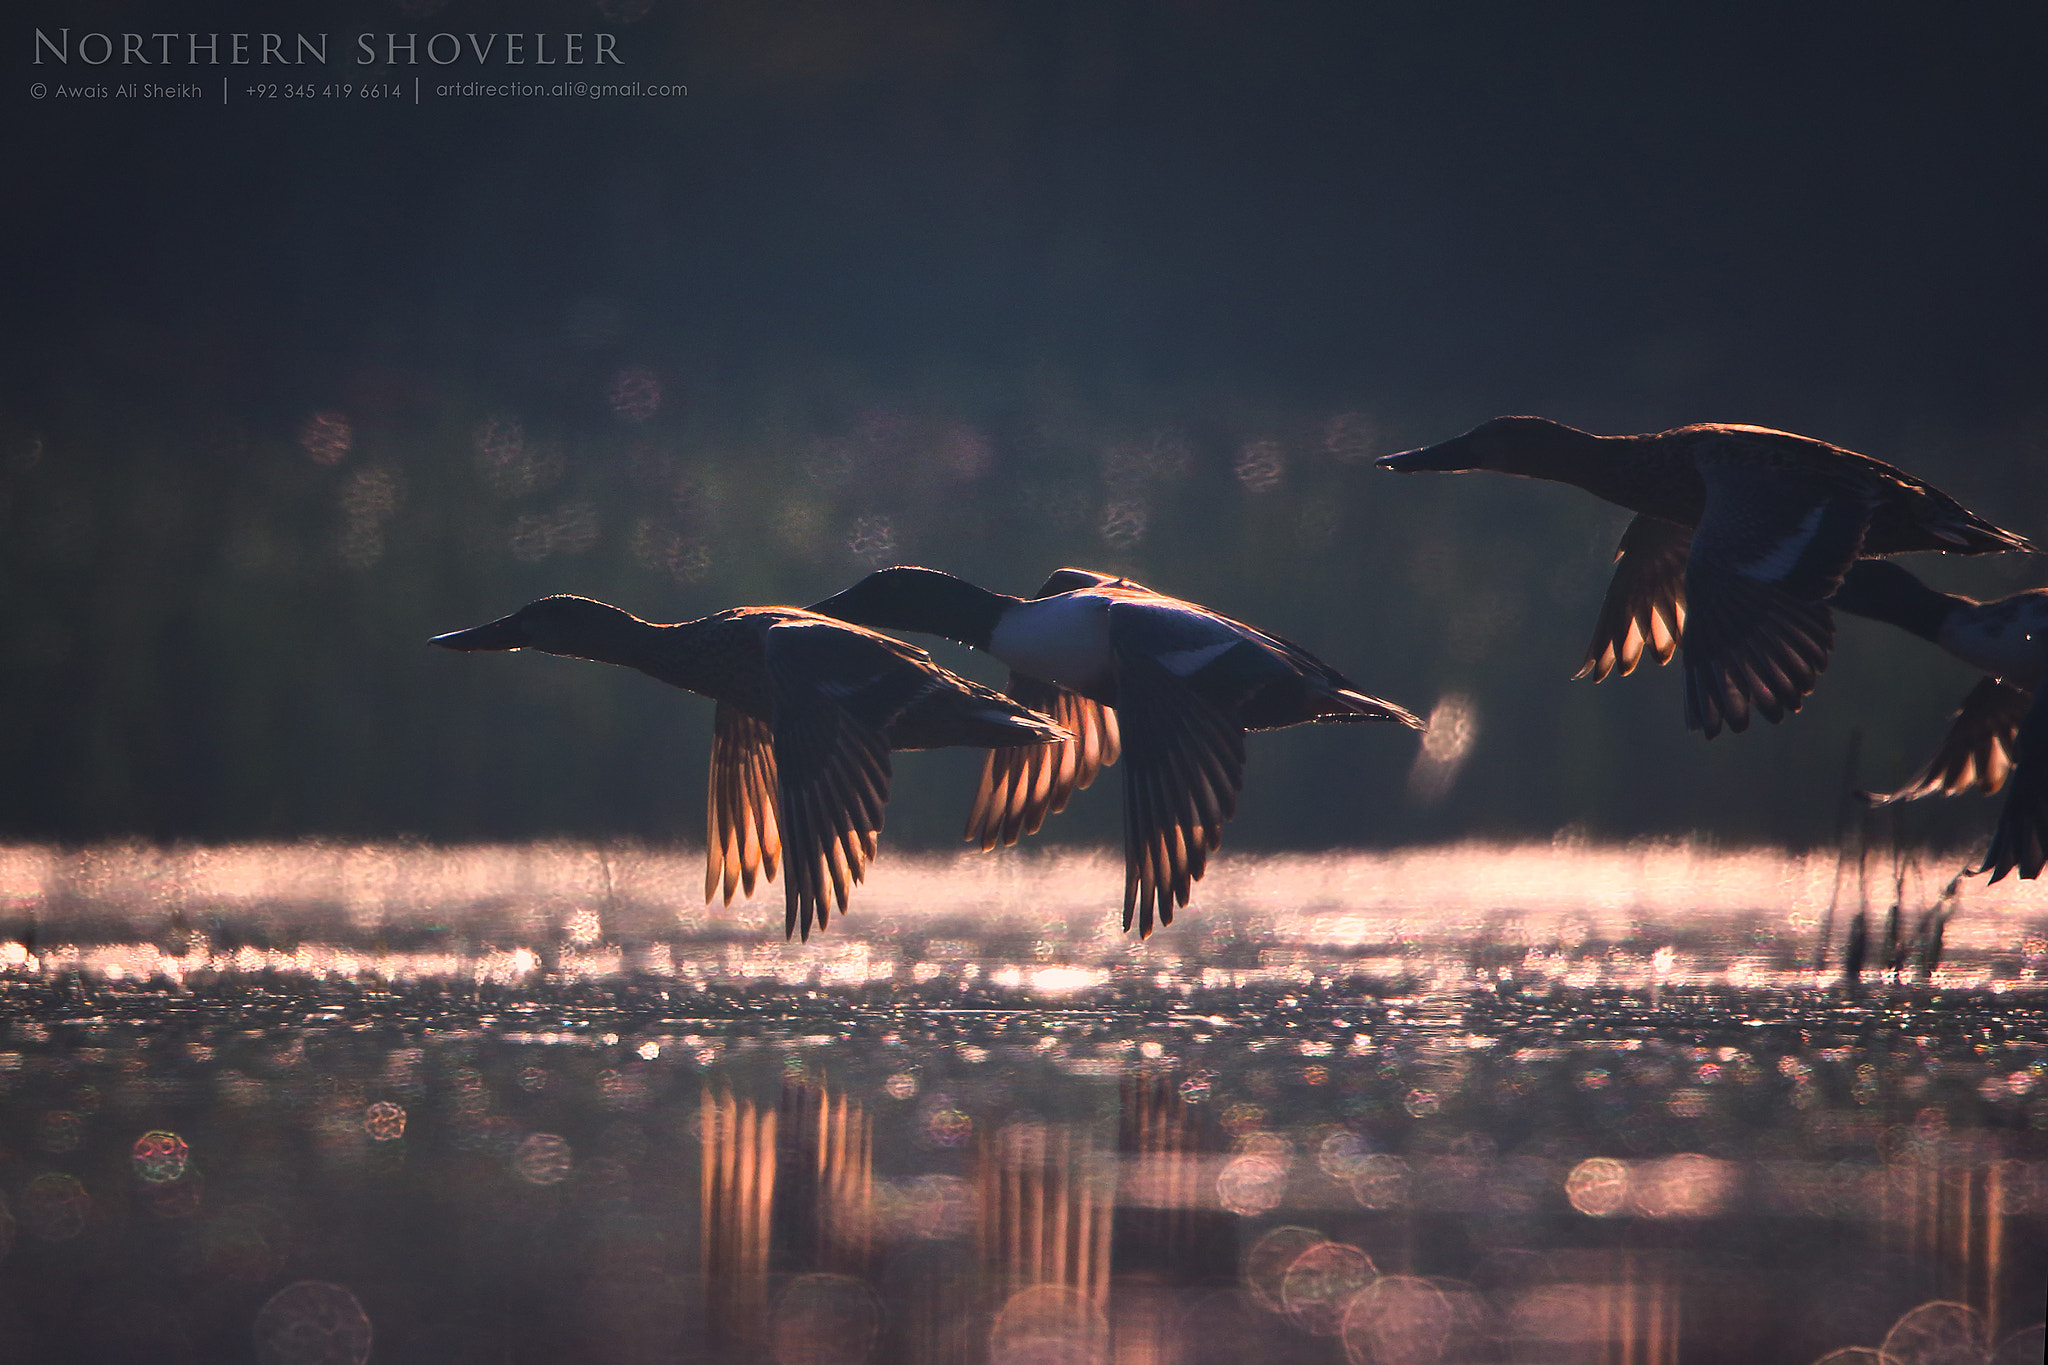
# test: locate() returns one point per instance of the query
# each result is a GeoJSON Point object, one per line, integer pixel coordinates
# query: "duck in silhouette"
{"type": "Point", "coordinates": [1999, 737]}
{"type": "Point", "coordinates": [809, 709]}
{"type": "Point", "coordinates": [1741, 533]}
{"type": "Point", "coordinates": [1169, 685]}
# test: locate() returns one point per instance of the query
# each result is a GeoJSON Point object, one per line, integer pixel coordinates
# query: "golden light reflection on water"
{"type": "Point", "coordinates": [1677, 917]}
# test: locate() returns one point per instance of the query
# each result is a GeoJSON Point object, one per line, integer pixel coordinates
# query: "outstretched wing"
{"type": "Point", "coordinates": [1771, 546]}
{"type": "Point", "coordinates": [833, 767]}
{"type": "Point", "coordinates": [1023, 784]}
{"type": "Point", "coordinates": [740, 838]}
{"type": "Point", "coordinates": [1645, 603]}
{"type": "Point", "coordinates": [2021, 840]}
{"type": "Point", "coordinates": [1979, 748]}
{"type": "Point", "coordinates": [1183, 767]}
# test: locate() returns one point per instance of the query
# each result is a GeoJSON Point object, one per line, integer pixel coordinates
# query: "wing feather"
{"type": "Point", "coordinates": [1769, 549]}
{"type": "Point", "coordinates": [741, 842]}
{"type": "Point", "coordinates": [1644, 609]}
{"type": "Point", "coordinates": [833, 780]}
{"type": "Point", "coordinates": [1022, 785]}
{"type": "Point", "coordinates": [2020, 843]}
{"type": "Point", "coordinates": [1184, 765]}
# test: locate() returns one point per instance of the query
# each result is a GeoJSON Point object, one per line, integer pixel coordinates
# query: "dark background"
{"type": "Point", "coordinates": [996, 288]}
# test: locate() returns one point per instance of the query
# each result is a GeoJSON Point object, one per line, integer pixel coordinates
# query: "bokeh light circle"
{"type": "Point", "coordinates": [1939, 1333]}
{"type": "Point", "coordinates": [1342, 1155]}
{"type": "Point", "coordinates": [1380, 1181]}
{"type": "Point", "coordinates": [543, 1159]}
{"type": "Point", "coordinates": [1684, 1186]}
{"type": "Point", "coordinates": [948, 1127]}
{"type": "Point", "coordinates": [634, 394]}
{"type": "Point", "coordinates": [159, 1156]}
{"type": "Point", "coordinates": [1049, 1324]}
{"type": "Point", "coordinates": [384, 1121]}
{"type": "Point", "coordinates": [312, 1323]}
{"type": "Point", "coordinates": [1250, 1185]}
{"type": "Point", "coordinates": [1398, 1320]}
{"type": "Point", "coordinates": [940, 1206]}
{"type": "Point", "coordinates": [55, 1207]}
{"type": "Point", "coordinates": [326, 437]}
{"type": "Point", "coordinates": [1318, 1286]}
{"type": "Point", "coordinates": [1598, 1187]}
{"type": "Point", "coordinates": [1265, 1265]}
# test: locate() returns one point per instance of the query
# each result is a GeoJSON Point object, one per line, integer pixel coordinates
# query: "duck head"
{"type": "Point", "coordinates": [1507, 445]}
{"type": "Point", "coordinates": [575, 626]}
{"type": "Point", "coordinates": [924, 600]}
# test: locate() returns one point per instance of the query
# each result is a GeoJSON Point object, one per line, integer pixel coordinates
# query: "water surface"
{"type": "Point", "coordinates": [539, 1104]}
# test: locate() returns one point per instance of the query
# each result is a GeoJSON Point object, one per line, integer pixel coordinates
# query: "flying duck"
{"type": "Point", "coordinates": [2000, 734]}
{"type": "Point", "coordinates": [1170, 685]}
{"type": "Point", "coordinates": [808, 710]}
{"type": "Point", "coordinates": [1740, 535]}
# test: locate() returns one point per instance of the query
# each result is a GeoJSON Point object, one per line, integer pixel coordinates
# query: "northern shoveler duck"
{"type": "Point", "coordinates": [808, 710]}
{"type": "Point", "coordinates": [1170, 685]}
{"type": "Point", "coordinates": [1740, 535]}
{"type": "Point", "coordinates": [2000, 734]}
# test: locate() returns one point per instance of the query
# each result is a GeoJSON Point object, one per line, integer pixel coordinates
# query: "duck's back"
{"type": "Point", "coordinates": [1264, 681]}
{"type": "Point", "coordinates": [896, 688]}
{"type": "Point", "coordinates": [1907, 515]}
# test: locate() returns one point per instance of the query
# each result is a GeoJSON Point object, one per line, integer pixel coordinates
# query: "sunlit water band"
{"type": "Point", "coordinates": [1661, 917]}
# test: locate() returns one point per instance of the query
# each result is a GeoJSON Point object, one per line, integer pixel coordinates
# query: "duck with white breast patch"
{"type": "Point", "coordinates": [1169, 685]}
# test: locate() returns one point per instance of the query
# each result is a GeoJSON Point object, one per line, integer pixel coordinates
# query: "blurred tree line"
{"type": "Point", "coordinates": [221, 633]}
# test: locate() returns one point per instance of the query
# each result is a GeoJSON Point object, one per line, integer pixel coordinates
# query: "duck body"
{"type": "Point", "coordinates": [1169, 685]}
{"type": "Point", "coordinates": [1998, 738]}
{"type": "Point", "coordinates": [1741, 535]}
{"type": "Point", "coordinates": [808, 710]}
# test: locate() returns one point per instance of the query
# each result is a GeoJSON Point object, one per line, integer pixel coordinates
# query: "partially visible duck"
{"type": "Point", "coordinates": [1741, 534]}
{"type": "Point", "coordinates": [1185, 684]}
{"type": "Point", "coordinates": [1999, 737]}
{"type": "Point", "coordinates": [808, 710]}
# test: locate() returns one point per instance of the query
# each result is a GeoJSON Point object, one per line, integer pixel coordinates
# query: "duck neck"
{"type": "Point", "coordinates": [922, 600]}
{"type": "Point", "coordinates": [1548, 450]}
{"type": "Point", "coordinates": [607, 635]}
{"type": "Point", "coordinates": [1643, 473]}
{"type": "Point", "coordinates": [1885, 592]}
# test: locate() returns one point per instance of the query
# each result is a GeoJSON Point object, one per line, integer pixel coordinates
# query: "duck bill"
{"type": "Point", "coordinates": [1445, 457]}
{"type": "Point", "coordinates": [506, 633]}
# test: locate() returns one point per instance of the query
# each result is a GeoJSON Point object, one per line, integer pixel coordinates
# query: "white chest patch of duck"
{"type": "Point", "coordinates": [1063, 639]}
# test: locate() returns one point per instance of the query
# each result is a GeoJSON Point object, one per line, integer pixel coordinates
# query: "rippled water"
{"type": "Point", "coordinates": [317, 1103]}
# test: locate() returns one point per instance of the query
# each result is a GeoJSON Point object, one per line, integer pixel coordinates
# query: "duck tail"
{"type": "Point", "coordinates": [1970, 534]}
{"type": "Point", "coordinates": [992, 720]}
{"type": "Point", "coordinates": [1348, 704]}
